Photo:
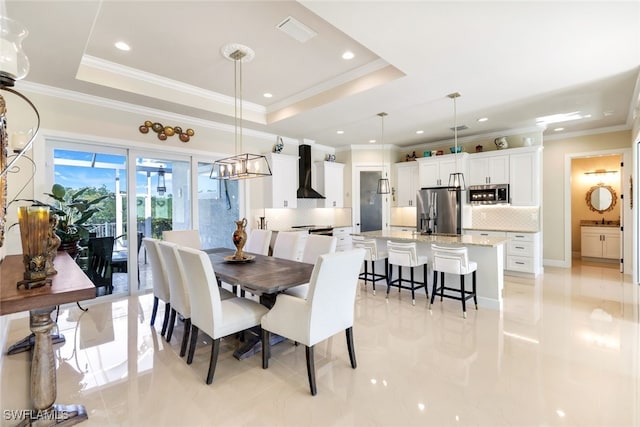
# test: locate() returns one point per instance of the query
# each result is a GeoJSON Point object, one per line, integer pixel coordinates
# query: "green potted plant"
{"type": "Point", "coordinates": [72, 210]}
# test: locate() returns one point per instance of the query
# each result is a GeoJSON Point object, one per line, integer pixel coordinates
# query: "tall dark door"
{"type": "Point", "coordinates": [370, 201]}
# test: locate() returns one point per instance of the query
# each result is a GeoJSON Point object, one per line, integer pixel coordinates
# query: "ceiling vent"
{"type": "Point", "coordinates": [460, 127]}
{"type": "Point", "coordinates": [296, 29]}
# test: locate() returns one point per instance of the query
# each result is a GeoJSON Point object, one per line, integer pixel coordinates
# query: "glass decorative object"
{"type": "Point", "coordinates": [34, 233]}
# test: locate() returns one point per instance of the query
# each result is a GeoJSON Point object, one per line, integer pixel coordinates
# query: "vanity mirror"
{"type": "Point", "coordinates": [601, 198]}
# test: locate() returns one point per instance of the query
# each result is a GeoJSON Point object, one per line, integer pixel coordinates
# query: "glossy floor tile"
{"type": "Point", "coordinates": [563, 352]}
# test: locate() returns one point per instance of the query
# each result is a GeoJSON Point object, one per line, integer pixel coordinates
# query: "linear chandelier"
{"type": "Point", "coordinates": [241, 165]}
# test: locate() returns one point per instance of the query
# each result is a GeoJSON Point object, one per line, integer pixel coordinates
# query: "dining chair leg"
{"type": "Point", "coordinates": [165, 322]}
{"type": "Point", "coordinates": [215, 349]}
{"type": "Point", "coordinates": [185, 337]}
{"type": "Point", "coordinates": [192, 345]}
{"type": "Point", "coordinates": [311, 371]}
{"type": "Point", "coordinates": [154, 310]}
{"type": "Point", "coordinates": [266, 348]}
{"type": "Point", "coordinates": [352, 351]}
{"type": "Point", "coordinates": [172, 322]}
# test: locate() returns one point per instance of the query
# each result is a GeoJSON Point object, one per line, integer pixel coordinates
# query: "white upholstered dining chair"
{"type": "Point", "coordinates": [258, 242]}
{"type": "Point", "coordinates": [188, 238]}
{"type": "Point", "coordinates": [160, 283]}
{"type": "Point", "coordinates": [209, 313]}
{"type": "Point", "coordinates": [316, 245]}
{"type": "Point", "coordinates": [328, 309]}
{"type": "Point", "coordinates": [287, 245]}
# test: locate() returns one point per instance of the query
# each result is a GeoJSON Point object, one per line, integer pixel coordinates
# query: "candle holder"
{"type": "Point", "coordinates": [34, 233]}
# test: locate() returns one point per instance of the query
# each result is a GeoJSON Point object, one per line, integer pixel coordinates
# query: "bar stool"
{"type": "Point", "coordinates": [453, 261]}
{"type": "Point", "coordinates": [372, 254]}
{"type": "Point", "coordinates": [405, 255]}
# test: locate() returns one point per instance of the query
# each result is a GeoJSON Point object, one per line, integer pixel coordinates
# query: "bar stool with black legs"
{"type": "Point", "coordinates": [373, 253]}
{"type": "Point", "coordinates": [406, 255]}
{"type": "Point", "coordinates": [453, 260]}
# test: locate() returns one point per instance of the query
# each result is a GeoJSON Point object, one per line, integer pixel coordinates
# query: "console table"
{"type": "Point", "coordinates": [69, 285]}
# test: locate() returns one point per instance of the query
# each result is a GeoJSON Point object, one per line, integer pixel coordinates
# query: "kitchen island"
{"type": "Point", "coordinates": [487, 251]}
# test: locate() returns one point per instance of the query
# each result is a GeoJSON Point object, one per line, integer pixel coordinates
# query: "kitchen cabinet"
{"type": "Point", "coordinates": [600, 242]}
{"type": "Point", "coordinates": [407, 183]}
{"type": "Point", "coordinates": [524, 253]}
{"type": "Point", "coordinates": [525, 176]}
{"type": "Point", "coordinates": [329, 181]}
{"type": "Point", "coordinates": [343, 234]}
{"type": "Point", "coordinates": [491, 233]}
{"type": "Point", "coordinates": [435, 171]}
{"type": "Point", "coordinates": [488, 168]}
{"type": "Point", "coordinates": [280, 189]}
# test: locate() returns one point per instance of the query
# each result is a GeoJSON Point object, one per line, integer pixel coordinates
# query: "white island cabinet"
{"type": "Point", "coordinates": [280, 189]}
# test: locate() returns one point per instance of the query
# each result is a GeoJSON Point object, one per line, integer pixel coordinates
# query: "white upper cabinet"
{"type": "Point", "coordinates": [329, 181]}
{"type": "Point", "coordinates": [488, 168]}
{"type": "Point", "coordinates": [525, 177]}
{"type": "Point", "coordinates": [407, 183]}
{"type": "Point", "coordinates": [280, 189]}
{"type": "Point", "coordinates": [435, 171]}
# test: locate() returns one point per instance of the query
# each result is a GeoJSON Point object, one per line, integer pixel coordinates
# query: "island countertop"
{"type": "Point", "coordinates": [410, 236]}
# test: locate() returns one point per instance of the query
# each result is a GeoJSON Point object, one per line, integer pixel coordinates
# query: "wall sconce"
{"type": "Point", "coordinates": [162, 186]}
{"type": "Point", "coordinates": [166, 131]}
{"type": "Point", "coordinates": [601, 175]}
{"type": "Point", "coordinates": [601, 172]}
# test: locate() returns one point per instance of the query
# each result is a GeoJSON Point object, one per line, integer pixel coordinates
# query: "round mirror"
{"type": "Point", "coordinates": [601, 198]}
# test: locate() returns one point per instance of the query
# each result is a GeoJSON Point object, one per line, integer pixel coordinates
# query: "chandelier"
{"type": "Point", "coordinates": [241, 165]}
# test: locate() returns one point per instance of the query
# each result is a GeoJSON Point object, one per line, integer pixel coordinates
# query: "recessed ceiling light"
{"type": "Point", "coordinates": [483, 119]}
{"type": "Point", "coordinates": [340, 132]}
{"type": "Point", "coordinates": [562, 117]}
{"type": "Point", "coordinates": [122, 46]}
{"type": "Point", "coordinates": [558, 129]}
{"type": "Point", "coordinates": [607, 113]}
{"type": "Point", "coordinates": [348, 55]}
{"type": "Point", "coordinates": [372, 141]}
{"type": "Point", "coordinates": [419, 132]}
{"type": "Point", "coordinates": [267, 95]}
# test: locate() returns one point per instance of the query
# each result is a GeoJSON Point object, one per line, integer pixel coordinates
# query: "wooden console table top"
{"type": "Point", "coordinates": [69, 285]}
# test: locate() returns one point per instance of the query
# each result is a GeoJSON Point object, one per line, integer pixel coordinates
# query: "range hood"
{"type": "Point", "coordinates": [305, 191]}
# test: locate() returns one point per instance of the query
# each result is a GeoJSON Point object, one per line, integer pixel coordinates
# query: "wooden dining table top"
{"type": "Point", "coordinates": [262, 275]}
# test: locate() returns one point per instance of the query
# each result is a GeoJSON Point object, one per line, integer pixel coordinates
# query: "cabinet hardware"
{"type": "Point", "coordinates": [519, 262]}
{"type": "Point", "coordinates": [519, 247]}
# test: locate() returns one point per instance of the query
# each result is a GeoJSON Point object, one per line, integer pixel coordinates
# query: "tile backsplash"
{"type": "Point", "coordinates": [283, 219]}
{"type": "Point", "coordinates": [506, 218]}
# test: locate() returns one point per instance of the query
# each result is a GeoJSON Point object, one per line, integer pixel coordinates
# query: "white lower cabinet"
{"type": "Point", "coordinates": [522, 253]}
{"type": "Point", "coordinates": [343, 234]}
{"type": "Point", "coordinates": [600, 242]}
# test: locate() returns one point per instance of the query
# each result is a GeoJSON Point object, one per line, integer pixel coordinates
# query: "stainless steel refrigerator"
{"type": "Point", "coordinates": [439, 210]}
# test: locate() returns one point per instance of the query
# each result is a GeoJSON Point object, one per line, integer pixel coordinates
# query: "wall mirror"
{"type": "Point", "coordinates": [601, 198]}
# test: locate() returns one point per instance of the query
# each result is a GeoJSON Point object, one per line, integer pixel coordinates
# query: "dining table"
{"type": "Point", "coordinates": [260, 275]}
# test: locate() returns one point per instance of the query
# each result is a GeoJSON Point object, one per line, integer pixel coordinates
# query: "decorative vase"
{"type": "Point", "coordinates": [240, 238]}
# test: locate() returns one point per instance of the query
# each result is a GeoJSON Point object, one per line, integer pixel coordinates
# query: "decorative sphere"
{"type": "Point", "coordinates": [148, 123]}
{"type": "Point", "coordinates": [157, 127]}
{"type": "Point", "coordinates": [190, 132]}
{"type": "Point", "coordinates": [178, 129]}
{"type": "Point", "coordinates": [143, 129]}
{"type": "Point", "coordinates": [162, 136]}
{"type": "Point", "coordinates": [184, 137]}
{"type": "Point", "coordinates": [168, 130]}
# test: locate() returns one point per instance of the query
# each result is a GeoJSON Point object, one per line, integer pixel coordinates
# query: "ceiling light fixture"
{"type": "Point", "coordinates": [383, 183]}
{"type": "Point", "coordinates": [122, 46]}
{"type": "Point", "coordinates": [372, 141]}
{"type": "Point", "coordinates": [162, 185]}
{"type": "Point", "coordinates": [339, 132]}
{"type": "Point", "coordinates": [242, 165]}
{"type": "Point", "coordinates": [456, 179]}
{"type": "Point", "coordinates": [558, 129]}
{"type": "Point", "coordinates": [600, 172]}
{"type": "Point", "coordinates": [267, 95]}
{"type": "Point", "coordinates": [419, 132]}
{"type": "Point", "coordinates": [482, 119]}
{"type": "Point", "coordinates": [561, 117]}
{"type": "Point", "coordinates": [348, 55]}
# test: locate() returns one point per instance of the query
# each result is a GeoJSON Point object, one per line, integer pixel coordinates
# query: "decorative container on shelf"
{"type": "Point", "coordinates": [501, 143]}
{"type": "Point", "coordinates": [279, 146]}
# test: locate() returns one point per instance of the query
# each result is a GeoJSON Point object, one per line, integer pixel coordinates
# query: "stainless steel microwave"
{"type": "Point", "coordinates": [488, 194]}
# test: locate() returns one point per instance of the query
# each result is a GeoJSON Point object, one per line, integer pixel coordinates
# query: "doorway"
{"type": "Point", "coordinates": [595, 230]}
{"type": "Point", "coordinates": [370, 210]}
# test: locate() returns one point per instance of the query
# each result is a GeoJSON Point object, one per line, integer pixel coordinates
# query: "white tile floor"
{"type": "Point", "coordinates": [565, 351]}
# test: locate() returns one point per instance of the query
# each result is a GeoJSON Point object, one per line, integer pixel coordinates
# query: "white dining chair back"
{"type": "Point", "coordinates": [258, 242]}
{"type": "Point", "coordinates": [179, 294]}
{"type": "Point", "coordinates": [159, 281]}
{"type": "Point", "coordinates": [328, 309]}
{"type": "Point", "coordinates": [188, 238]}
{"type": "Point", "coordinates": [287, 245]}
{"type": "Point", "coordinates": [215, 317]}
{"type": "Point", "coordinates": [317, 245]}
{"type": "Point", "coordinates": [370, 246]}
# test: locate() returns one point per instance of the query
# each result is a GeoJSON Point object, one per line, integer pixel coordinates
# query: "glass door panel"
{"type": "Point", "coordinates": [217, 209]}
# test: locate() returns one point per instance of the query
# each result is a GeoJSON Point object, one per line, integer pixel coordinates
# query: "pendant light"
{"type": "Point", "coordinates": [383, 183]}
{"type": "Point", "coordinates": [241, 165]}
{"type": "Point", "coordinates": [162, 186]}
{"type": "Point", "coordinates": [456, 179]}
